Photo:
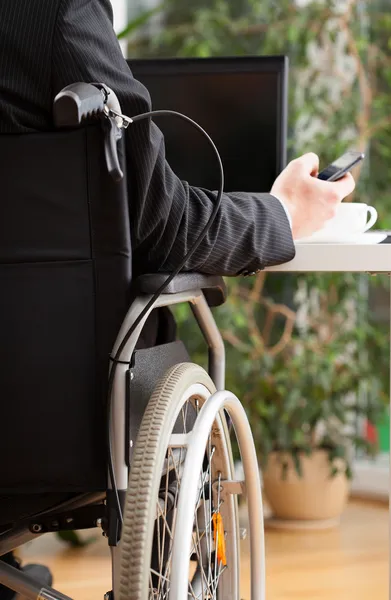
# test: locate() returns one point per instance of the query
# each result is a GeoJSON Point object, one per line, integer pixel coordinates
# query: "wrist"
{"type": "Point", "coordinates": [286, 206]}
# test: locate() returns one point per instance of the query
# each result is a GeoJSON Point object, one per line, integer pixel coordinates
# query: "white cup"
{"type": "Point", "coordinates": [351, 219]}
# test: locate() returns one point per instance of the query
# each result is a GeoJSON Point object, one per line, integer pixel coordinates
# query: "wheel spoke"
{"type": "Point", "coordinates": [203, 583]}
{"type": "Point", "coordinates": [178, 484]}
{"type": "Point", "coordinates": [153, 572]}
{"type": "Point", "coordinates": [215, 582]}
{"type": "Point", "coordinates": [201, 562]}
{"type": "Point", "coordinates": [217, 531]}
{"type": "Point", "coordinates": [169, 554]}
{"type": "Point", "coordinates": [163, 520]}
{"type": "Point", "coordinates": [161, 556]}
{"type": "Point", "coordinates": [211, 454]}
{"type": "Point", "coordinates": [163, 516]}
{"type": "Point", "coordinates": [191, 591]}
{"type": "Point", "coordinates": [206, 533]}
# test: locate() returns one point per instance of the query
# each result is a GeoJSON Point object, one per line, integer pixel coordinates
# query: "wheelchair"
{"type": "Point", "coordinates": [146, 457]}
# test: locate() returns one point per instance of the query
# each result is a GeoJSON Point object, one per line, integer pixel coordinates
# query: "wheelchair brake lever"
{"type": "Point", "coordinates": [112, 135]}
{"type": "Point", "coordinates": [115, 123]}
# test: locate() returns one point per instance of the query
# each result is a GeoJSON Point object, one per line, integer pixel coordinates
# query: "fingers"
{"type": "Point", "coordinates": [341, 188]}
{"type": "Point", "coordinates": [345, 185]}
{"type": "Point", "coordinates": [309, 163]}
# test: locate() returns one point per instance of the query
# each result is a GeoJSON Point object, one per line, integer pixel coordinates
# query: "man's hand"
{"type": "Point", "coordinates": [310, 201]}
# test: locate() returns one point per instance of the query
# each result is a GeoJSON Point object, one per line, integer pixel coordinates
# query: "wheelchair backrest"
{"type": "Point", "coordinates": [65, 273]}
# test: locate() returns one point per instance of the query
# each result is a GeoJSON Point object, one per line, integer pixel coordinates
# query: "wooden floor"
{"type": "Point", "coordinates": [350, 562]}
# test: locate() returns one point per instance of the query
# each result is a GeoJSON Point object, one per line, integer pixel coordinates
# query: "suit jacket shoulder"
{"type": "Point", "coordinates": [48, 44]}
{"type": "Point", "coordinates": [26, 36]}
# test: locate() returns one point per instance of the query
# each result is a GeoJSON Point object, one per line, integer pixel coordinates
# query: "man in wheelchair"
{"type": "Point", "coordinates": [75, 251]}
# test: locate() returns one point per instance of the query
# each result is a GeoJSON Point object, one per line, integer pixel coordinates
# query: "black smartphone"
{"type": "Point", "coordinates": [342, 165]}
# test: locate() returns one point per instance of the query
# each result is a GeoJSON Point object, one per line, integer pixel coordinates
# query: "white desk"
{"type": "Point", "coordinates": [339, 258]}
{"type": "Point", "coordinates": [374, 259]}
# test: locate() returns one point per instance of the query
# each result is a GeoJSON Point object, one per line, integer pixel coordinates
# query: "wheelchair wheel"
{"type": "Point", "coordinates": [180, 537]}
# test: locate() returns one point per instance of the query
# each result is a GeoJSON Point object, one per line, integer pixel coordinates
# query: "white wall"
{"type": "Point", "coordinates": [120, 14]}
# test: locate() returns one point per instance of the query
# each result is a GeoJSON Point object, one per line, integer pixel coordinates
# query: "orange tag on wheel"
{"type": "Point", "coordinates": [219, 538]}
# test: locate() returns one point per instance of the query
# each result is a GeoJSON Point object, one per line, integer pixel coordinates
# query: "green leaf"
{"type": "Point", "coordinates": [141, 20]}
{"type": "Point", "coordinates": [349, 472]}
{"type": "Point", "coordinates": [73, 539]}
{"type": "Point", "coordinates": [334, 472]}
{"type": "Point", "coordinates": [297, 463]}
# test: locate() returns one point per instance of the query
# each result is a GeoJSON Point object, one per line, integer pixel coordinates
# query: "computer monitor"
{"type": "Point", "coordinates": [242, 104]}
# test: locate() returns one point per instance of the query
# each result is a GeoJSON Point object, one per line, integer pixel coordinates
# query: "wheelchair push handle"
{"type": "Point", "coordinates": [77, 102]}
{"type": "Point", "coordinates": [82, 101]}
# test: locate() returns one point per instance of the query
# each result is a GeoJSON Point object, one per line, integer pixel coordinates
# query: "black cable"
{"type": "Point", "coordinates": [115, 358]}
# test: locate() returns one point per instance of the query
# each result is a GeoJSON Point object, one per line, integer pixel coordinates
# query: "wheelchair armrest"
{"type": "Point", "coordinates": [213, 286]}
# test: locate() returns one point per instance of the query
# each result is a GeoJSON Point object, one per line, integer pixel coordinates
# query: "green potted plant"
{"type": "Point", "coordinates": [307, 386]}
{"type": "Point", "coordinates": [306, 411]}
{"type": "Point", "coordinates": [309, 389]}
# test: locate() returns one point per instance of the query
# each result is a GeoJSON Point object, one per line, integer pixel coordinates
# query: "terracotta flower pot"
{"type": "Point", "coordinates": [314, 497]}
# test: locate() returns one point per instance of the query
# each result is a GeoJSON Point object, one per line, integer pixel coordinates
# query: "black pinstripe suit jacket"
{"type": "Point", "coordinates": [48, 44]}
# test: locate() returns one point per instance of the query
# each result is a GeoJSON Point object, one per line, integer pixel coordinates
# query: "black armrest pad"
{"type": "Point", "coordinates": [213, 286]}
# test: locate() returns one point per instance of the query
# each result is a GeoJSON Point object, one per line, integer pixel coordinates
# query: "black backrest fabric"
{"type": "Point", "coordinates": [65, 273]}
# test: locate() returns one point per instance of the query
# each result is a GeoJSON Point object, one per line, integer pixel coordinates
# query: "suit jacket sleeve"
{"type": "Point", "coordinates": [250, 232]}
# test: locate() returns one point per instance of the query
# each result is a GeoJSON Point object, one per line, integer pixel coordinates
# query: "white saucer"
{"type": "Point", "coordinates": [368, 238]}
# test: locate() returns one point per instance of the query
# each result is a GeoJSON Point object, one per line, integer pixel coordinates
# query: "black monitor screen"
{"type": "Point", "coordinates": [240, 102]}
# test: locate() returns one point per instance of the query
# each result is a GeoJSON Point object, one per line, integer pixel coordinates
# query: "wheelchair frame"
{"type": "Point", "coordinates": [71, 106]}
{"type": "Point", "coordinates": [28, 530]}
